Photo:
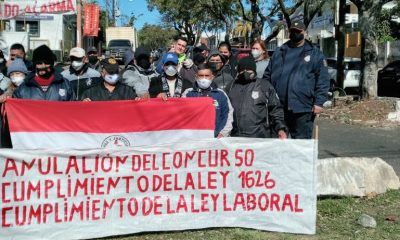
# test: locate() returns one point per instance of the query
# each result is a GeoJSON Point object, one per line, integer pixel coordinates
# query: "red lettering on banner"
{"type": "Point", "coordinates": [181, 204]}
{"type": "Point", "coordinates": [147, 206]}
{"type": "Point", "coordinates": [192, 205]}
{"type": "Point", "coordinates": [72, 163]}
{"type": "Point", "coordinates": [251, 202]}
{"type": "Point", "coordinates": [287, 202]}
{"type": "Point", "coordinates": [225, 204]}
{"type": "Point", "coordinates": [239, 200]}
{"type": "Point", "coordinates": [204, 203]}
{"type": "Point", "coordinates": [274, 202]}
{"type": "Point", "coordinates": [4, 185]}
{"type": "Point", "coordinates": [4, 211]}
{"type": "Point", "coordinates": [133, 207]}
{"type": "Point", "coordinates": [263, 207]}
{"type": "Point", "coordinates": [200, 163]}
{"type": "Point", "coordinates": [157, 205]}
{"type": "Point", "coordinates": [164, 161]}
{"type": "Point", "coordinates": [77, 209]}
{"type": "Point", "coordinates": [10, 166]}
{"type": "Point", "coordinates": [169, 210]}
{"type": "Point", "coordinates": [212, 181]}
{"type": "Point", "coordinates": [296, 204]}
{"type": "Point", "coordinates": [214, 198]}
{"type": "Point", "coordinates": [95, 209]}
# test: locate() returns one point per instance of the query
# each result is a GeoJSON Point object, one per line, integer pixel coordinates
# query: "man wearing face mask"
{"type": "Point", "coordinates": [138, 71]}
{"type": "Point", "coordinates": [44, 83]}
{"type": "Point", "coordinates": [79, 74]}
{"type": "Point", "coordinates": [111, 87]}
{"type": "Point", "coordinates": [17, 72]}
{"type": "Point", "coordinates": [223, 107]}
{"type": "Point", "coordinates": [257, 110]}
{"type": "Point", "coordinates": [169, 83]}
{"type": "Point", "coordinates": [93, 59]}
{"type": "Point", "coordinates": [298, 72]}
{"type": "Point", "coordinates": [223, 78]}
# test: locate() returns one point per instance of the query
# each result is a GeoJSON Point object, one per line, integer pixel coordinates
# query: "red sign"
{"type": "Point", "coordinates": [92, 17]}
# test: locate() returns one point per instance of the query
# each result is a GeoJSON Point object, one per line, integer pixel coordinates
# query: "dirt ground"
{"type": "Point", "coordinates": [371, 112]}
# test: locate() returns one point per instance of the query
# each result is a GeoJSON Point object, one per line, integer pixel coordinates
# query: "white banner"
{"type": "Point", "coordinates": [13, 8]}
{"type": "Point", "coordinates": [266, 184]}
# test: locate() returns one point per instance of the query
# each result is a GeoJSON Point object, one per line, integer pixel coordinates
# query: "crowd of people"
{"type": "Point", "coordinates": [255, 96]}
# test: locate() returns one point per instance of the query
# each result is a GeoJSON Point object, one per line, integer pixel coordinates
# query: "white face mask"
{"type": "Point", "coordinates": [256, 53]}
{"type": "Point", "coordinates": [1, 60]}
{"type": "Point", "coordinates": [203, 83]}
{"type": "Point", "coordinates": [17, 80]}
{"type": "Point", "coordinates": [111, 78]}
{"type": "Point", "coordinates": [171, 71]}
{"type": "Point", "coordinates": [77, 65]}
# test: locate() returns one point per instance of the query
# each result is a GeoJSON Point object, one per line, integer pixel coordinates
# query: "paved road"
{"type": "Point", "coordinates": [340, 140]}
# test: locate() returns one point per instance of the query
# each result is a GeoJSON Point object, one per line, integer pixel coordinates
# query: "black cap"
{"type": "Point", "coordinates": [92, 49]}
{"type": "Point", "coordinates": [43, 54]}
{"type": "Point", "coordinates": [247, 63]}
{"type": "Point", "coordinates": [201, 47]}
{"type": "Point", "coordinates": [298, 24]}
{"type": "Point", "coordinates": [142, 52]}
{"type": "Point", "coordinates": [110, 65]}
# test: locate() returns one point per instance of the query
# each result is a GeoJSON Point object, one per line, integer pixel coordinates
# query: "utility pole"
{"type": "Point", "coordinates": [113, 12]}
{"type": "Point", "coordinates": [340, 40]}
{"type": "Point", "coordinates": [107, 7]}
{"type": "Point", "coordinates": [79, 23]}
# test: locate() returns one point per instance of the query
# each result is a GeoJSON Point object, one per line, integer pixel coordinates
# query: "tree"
{"type": "Point", "coordinates": [369, 12]}
{"type": "Point", "coordinates": [155, 36]}
{"type": "Point", "coordinates": [185, 16]}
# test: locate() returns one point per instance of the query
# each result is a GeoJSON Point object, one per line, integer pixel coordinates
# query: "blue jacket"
{"type": "Point", "coordinates": [59, 89]}
{"type": "Point", "coordinates": [308, 82]}
{"type": "Point", "coordinates": [223, 107]}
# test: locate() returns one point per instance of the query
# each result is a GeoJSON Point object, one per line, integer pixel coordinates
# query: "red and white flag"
{"type": "Point", "coordinates": [85, 125]}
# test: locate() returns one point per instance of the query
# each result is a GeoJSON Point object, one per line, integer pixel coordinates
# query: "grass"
{"type": "Point", "coordinates": [336, 219]}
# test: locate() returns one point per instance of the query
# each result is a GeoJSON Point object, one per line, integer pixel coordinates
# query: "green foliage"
{"type": "Point", "coordinates": [383, 28]}
{"type": "Point", "coordinates": [154, 36]}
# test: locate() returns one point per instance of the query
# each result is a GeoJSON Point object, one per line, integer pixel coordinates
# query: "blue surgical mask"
{"type": "Point", "coordinates": [111, 78]}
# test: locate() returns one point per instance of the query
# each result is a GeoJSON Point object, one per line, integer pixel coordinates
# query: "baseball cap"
{"type": "Point", "coordinates": [77, 52]}
{"type": "Point", "coordinates": [110, 65]}
{"type": "Point", "coordinates": [170, 57]}
{"type": "Point", "coordinates": [298, 25]}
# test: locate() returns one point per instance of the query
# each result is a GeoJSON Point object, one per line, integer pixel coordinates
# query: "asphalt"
{"type": "Point", "coordinates": [342, 140]}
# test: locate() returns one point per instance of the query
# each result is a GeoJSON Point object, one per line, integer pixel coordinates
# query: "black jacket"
{"type": "Point", "coordinates": [156, 85]}
{"type": "Point", "coordinates": [257, 110]}
{"type": "Point", "coordinates": [100, 93]}
{"type": "Point", "coordinates": [59, 89]}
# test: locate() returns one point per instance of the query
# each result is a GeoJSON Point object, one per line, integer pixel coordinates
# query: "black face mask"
{"type": "Point", "coordinates": [144, 63]}
{"type": "Point", "coordinates": [92, 59]}
{"type": "Point", "coordinates": [47, 75]}
{"type": "Point", "coordinates": [296, 37]}
{"type": "Point", "coordinates": [246, 77]}
{"type": "Point", "coordinates": [215, 67]}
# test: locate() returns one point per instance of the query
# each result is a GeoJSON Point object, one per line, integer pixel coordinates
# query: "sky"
{"type": "Point", "coordinates": [139, 9]}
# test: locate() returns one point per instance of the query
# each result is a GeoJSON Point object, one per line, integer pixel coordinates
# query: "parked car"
{"type": "Point", "coordinates": [389, 80]}
{"type": "Point", "coordinates": [117, 48]}
{"type": "Point", "coordinates": [352, 72]}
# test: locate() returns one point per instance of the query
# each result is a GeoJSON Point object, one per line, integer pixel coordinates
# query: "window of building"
{"type": "Point", "coordinates": [31, 26]}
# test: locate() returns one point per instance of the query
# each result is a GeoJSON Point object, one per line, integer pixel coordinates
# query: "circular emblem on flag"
{"type": "Point", "coordinates": [115, 141]}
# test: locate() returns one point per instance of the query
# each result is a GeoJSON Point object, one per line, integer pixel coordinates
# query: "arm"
{"type": "Point", "coordinates": [227, 113]}
{"type": "Point", "coordinates": [321, 82]}
{"type": "Point", "coordinates": [275, 112]}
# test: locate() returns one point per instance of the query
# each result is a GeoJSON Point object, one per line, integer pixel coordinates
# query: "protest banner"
{"type": "Point", "coordinates": [92, 18]}
{"type": "Point", "coordinates": [13, 8]}
{"type": "Point", "coordinates": [266, 184]}
{"type": "Point", "coordinates": [104, 124]}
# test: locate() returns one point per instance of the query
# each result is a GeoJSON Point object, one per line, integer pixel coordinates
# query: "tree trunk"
{"type": "Point", "coordinates": [369, 51]}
